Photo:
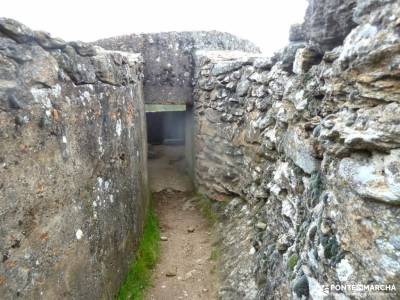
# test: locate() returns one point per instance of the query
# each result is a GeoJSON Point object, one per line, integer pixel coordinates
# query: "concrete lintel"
{"type": "Point", "coordinates": [164, 107]}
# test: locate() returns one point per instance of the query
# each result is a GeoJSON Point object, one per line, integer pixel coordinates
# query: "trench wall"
{"type": "Point", "coordinates": [307, 144]}
{"type": "Point", "coordinates": [73, 174]}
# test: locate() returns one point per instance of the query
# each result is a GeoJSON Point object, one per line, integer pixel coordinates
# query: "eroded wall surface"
{"type": "Point", "coordinates": [168, 72]}
{"type": "Point", "coordinates": [308, 142]}
{"type": "Point", "coordinates": [73, 181]}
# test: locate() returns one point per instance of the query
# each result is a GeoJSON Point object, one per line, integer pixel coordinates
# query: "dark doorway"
{"type": "Point", "coordinates": [170, 143]}
{"type": "Point", "coordinates": [166, 128]}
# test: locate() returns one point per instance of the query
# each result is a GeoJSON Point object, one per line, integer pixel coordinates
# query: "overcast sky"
{"type": "Point", "coordinates": [265, 22]}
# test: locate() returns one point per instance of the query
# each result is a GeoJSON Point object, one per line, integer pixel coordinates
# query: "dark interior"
{"type": "Point", "coordinates": [167, 128]}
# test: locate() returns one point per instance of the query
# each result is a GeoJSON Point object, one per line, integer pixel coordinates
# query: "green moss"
{"type": "Point", "coordinates": [292, 261]}
{"type": "Point", "coordinates": [205, 206]}
{"type": "Point", "coordinates": [215, 254]}
{"type": "Point", "coordinates": [139, 275]}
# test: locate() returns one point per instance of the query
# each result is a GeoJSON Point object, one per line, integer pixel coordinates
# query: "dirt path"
{"type": "Point", "coordinates": [167, 169]}
{"type": "Point", "coordinates": [185, 270]}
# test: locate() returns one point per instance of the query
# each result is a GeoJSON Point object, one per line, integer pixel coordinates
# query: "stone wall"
{"type": "Point", "coordinates": [168, 72]}
{"type": "Point", "coordinates": [308, 143]}
{"type": "Point", "coordinates": [328, 22]}
{"type": "Point", "coordinates": [73, 182]}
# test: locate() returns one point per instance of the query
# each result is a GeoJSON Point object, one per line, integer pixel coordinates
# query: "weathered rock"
{"type": "Point", "coordinates": [226, 67]}
{"type": "Point", "coordinates": [288, 55]}
{"type": "Point", "coordinates": [328, 22]}
{"type": "Point", "coordinates": [261, 225]}
{"type": "Point", "coordinates": [78, 68]}
{"type": "Point", "coordinates": [300, 150]}
{"type": "Point", "coordinates": [305, 58]}
{"type": "Point", "coordinates": [296, 33]}
{"type": "Point", "coordinates": [16, 31]}
{"type": "Point", "coordinates": [314, 155]}
{"type": "Point", "coordinates": [374, 178]}
{"type": "Point", "coordinates": [83, 49]}
{"type": "Point", "coordinates": [171, 273]}
{"type": "Point", "coordinates": [301, 287]}
{"type": "Point", "coordinates": [264, 63]}
{"type": "Point", "coordinates": [212, 115]}
{"type": "Point", "coordinates": [237, 259]}
{"type": "Point", "coordinates": [42, 70]}
{"type": "Point", "coordinates": [367, 128]}
{"type": "Point", "coordinates": [46, 41]}
{"type": "Point", "coordinates": [242, 87]}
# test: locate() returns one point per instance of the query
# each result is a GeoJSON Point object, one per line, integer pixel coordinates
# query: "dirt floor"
{"type": "Point", "coordinates": [166, 166]}
{"type": "Point", "coordinates": [185, 270]}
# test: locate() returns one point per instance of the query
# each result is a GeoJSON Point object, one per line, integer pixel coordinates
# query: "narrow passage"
{"type": "Point", "coordinates": [186, 269]}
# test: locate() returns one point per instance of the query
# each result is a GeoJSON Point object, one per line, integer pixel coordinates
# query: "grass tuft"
{"type": "Point", "coordinates": [292, 262]}
{"type": "Point", "coordinates": [204, 205]}
{"type": "Point", "coordinates": [215, 253]}
{"type": "Point", "coordinates": [139, 276]}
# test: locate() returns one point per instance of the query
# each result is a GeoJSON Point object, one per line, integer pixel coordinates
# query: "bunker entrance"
{"type": "Point", "coordinates": [169, 138]}
{"type": "Point", "coordinates": [166, 128]}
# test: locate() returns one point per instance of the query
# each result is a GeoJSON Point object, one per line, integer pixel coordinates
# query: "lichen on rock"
{"type": "Point", "coordinates": [318, 146]}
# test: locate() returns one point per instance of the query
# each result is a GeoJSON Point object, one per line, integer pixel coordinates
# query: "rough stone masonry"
{"type": "Point", "coordinates": [306, 142]}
